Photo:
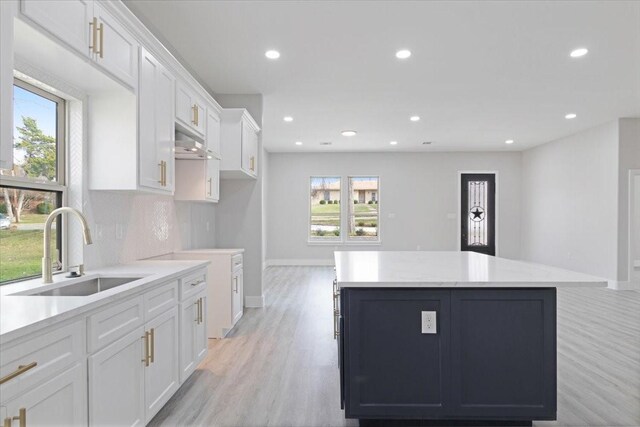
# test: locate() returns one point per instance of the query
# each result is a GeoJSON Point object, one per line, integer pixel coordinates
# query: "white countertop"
{"type": "Point", "coordinates": [415, 269]}
{"type": "Point", "coordinates": [184, 254]}
{"type": "Point", "coordinates": [24, 314]}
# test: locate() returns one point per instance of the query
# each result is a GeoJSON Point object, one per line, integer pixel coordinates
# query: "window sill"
{"type": "Point", "coordinates": [343, 243]}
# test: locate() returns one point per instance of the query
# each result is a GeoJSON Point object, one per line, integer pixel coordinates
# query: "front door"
{"type": "Point", "coordinates": [478, 213]}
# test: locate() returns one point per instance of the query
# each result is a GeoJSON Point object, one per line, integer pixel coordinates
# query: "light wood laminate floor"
{"type": "Point", "coordinates": [278, 367]}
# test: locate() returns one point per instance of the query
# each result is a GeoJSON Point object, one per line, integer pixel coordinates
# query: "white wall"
{"type": "Point", "coordinates": [570, 202]}
{"type": "Point", "coordinates": [419, 188]}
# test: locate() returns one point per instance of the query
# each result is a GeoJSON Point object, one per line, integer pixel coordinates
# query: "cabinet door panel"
{"type": "Point", "coordinates": [161, 376]}
{"type": "Point", "coordinates": [149, 160]}
{"type": "Point", "coordinates": [188, 318]}
{"type": "Point", "coordinates": [119, 53]}
{"type": "Point", "coordinates": [212, 189]}
{"type": "Point", "coordinates": [66, 19]}
{"type": "Point", "coordinates": [391, 368]}
{"type": "Point", "coordinates": [213, 132]}
{"type": "Point", "coordinates": [246, 147]}
{"type": "Point", "coordinates": [184, 111]}
{"type": "Point", "coordinates": [200, 336]}
{"type": "Point", "coordinates": [503, 352]}
{"type": "Point", "coordinates": [60, 401]}
{"type": "Point", "coordinates": [165, 123]}
{"type": "Point", "coordinates": [116, 383]}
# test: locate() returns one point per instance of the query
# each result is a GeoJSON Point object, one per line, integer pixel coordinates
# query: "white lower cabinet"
{"type": "Point", "coordinates": [193, 332]}
{"type": "Point", "coordinates": [60, 401]}
{"type": "Point", "coordinates": [161, 377]}
{"type": "Point", "coordinates": [116, 382]}
{"type": "Point", "coordinates": [237, 292]}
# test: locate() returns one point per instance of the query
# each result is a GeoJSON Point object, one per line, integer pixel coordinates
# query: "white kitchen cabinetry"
{"type": "Point", "coordinates": [146, 359]}
{"type": "Point", "coordinates": [156, 130]}
{"type": "Point", "coordinates": [212, 139]}
{"type": "Point", "coordinates": [85, 26]}
{"type": "Point", "coordinates": [193, 321]}
{"type": "Point", "coordinates": [239, 142]}
{"type": "Point", "coordinates": [198, 180]}
{"type": "Point", "coordinates": [137, 153]}
{"type": "Point", "coordinates": [59, 401]}
{"type": "Point", "coordinates": [237, 295]}
{"type": "Point", "coordinates": [190, 110]}
{"type": "Point", "coordinates": [44, 377]}
{"type": "Point", "coordinates": [116, 382]}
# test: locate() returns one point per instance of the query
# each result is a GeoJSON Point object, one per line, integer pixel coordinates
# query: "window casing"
{"type": "Point", "coordinates": [35, 185]}
{"type": "Point", "coordinates": [357, 220]}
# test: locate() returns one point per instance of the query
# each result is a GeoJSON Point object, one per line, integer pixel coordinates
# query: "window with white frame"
{"type": "Point", "coordinates": [364, 208]}
{"type": "Point", "coordinates": [324, 208]}
{"type": "Point", "coordinates": [327, 214]}
{"type": "Point", "coordinates": [35, 185]}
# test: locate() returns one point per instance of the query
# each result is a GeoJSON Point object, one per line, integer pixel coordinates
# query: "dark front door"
{"type": "Point", "coordinates": [478, 213]}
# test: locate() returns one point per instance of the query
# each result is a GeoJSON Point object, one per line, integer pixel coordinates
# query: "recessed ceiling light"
{"type": "Point", "coordinates": [209, 157]}
{"type": "Point", "coordinates": [326, 143]}
{"type": "Point", "coordinates": [403, 54]}
{"type": "Point", "coordinates": [577, 53]}
{"type": "Point", "coordinates": [349, 133]}
{"type": "Point", "coordinates": [272, 54]}
{"type": "Point", "coordinates": [571, 116]}
{"type": "Point", "coordinates": [393, 142]}
{"type": "Point", "coordinates": [414, 118]}
{"type": "Point", "coordinates": [288, 119]}
{"type": "Point", "coordinates": [509, 141]}
{"type": "Point", "coordinates": [298, 142]}
{"type": "Point", "coordinates": [427, 143]}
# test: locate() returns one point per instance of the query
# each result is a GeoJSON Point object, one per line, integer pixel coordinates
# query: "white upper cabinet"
{"type": "Point", "coordinates": [156, 131]}
{"type": "Point", "coordinates": [190, 110]}
{"type": "Point", "coordinates": [89, 29]}
{"type": "Point", "coordinates": [239, 143]}
{"type": "Point", "coordinates": [212, 139]}
{"type": "Point", "coordinates": [68, 20]}
{"type": "Point", "coordinates": [115, 49]}
{"type": "Point", "coordinates": [198, 180]}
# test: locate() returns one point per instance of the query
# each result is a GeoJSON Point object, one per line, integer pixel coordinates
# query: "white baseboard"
{"type": "Point", "coordinates": [623, 286]}
{"type": "Point", "coordinates": [254, 302]}
{"type": "Point", "coordinates": [298, 261]}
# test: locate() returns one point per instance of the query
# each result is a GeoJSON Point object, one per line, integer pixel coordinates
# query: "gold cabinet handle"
{"type": "Point", "coordinates": [152, 344]}
{"type": "Point", "coordinates": [163, 173]}
{"type": "Point", "coordinates": [21, 370]}
{"type": "Point", "coordinates": [236, 288]}
{"type": "Point", "coordinates": [164, 168]}
{"type": "Point", "coordinates": [7, 422]}
{"type": "Point", "coordinates": [252, 163]}
{"type": "Point", "coordinates": [197, 304]}
{"type": "Point", "coordinates": [101, 29]}
{"type": "Point", "coordinates": [22, 417]}
{"type": "Point", "coordinates": [201, 310]}
{"type": "Point", "coordinates": [195, 114]}
{"type": "Point", "coordinates": [146, 348]}
{"type": "Point", "coordinates": [210, 184]}
{"type": "Point", "coordinates": [94, 32]}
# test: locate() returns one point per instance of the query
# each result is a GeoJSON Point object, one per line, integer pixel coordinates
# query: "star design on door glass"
{"type": "Point", "coordinates": [476, 213]}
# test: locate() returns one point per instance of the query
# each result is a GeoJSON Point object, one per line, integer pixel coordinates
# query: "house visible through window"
{"type": "Point", "coordinates": [324, 224]}
{"type": "Point", "coordinates": [363, 215]}
{"type": "Point", "coordinates": [35, 185]}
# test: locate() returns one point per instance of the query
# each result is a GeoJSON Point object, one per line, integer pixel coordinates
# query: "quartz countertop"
{"type": "Point", "coordinates": [23, 314]}
{"type": "Point", "coordinates": [421, 269]}
{"type": "Point", "coordinates": [184, 254]}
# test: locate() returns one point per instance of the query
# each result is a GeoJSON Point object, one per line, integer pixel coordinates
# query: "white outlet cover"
{"type": "Point", "coordinates": [429, 322]}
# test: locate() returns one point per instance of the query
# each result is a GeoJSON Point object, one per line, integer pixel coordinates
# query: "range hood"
{"type": "Point", "coordinates": [189, 148]}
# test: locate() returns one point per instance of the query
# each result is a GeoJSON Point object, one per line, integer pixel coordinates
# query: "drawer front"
{"type": "Point", "coordinates": [160, 300]}
{"type": "Point", "coordinates": [114, 322]}
{"type": "Point", "coordinates": [53, 351]}
{"type": "Point", "coordinates": [236, 262]}
{"type": "Point", "coordinates": [193, 284]}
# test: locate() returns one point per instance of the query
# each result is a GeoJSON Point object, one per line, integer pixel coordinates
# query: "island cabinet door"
{"type": "Point", "coordinates": [503, 347]}
{"type": "Point", "coordinates": [392, 368]}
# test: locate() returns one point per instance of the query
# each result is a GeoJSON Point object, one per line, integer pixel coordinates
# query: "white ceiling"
{"type": "Point", "coordinates": [480, 73]}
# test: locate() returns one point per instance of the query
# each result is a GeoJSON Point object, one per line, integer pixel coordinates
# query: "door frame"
{"type": "Point", "coordinates": [497, 207]}
{"type": "Point", "coordinates": [631, 256]}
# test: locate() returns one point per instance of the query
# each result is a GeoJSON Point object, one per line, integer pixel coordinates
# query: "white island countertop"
{"type": "Point", "coordinates": [22, 314]}
{"type": "Point", "coordinates": [414, 269]}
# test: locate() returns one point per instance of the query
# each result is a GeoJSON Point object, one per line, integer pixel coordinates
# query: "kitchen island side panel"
{"type": "Point", "coordinates": [493, 356]}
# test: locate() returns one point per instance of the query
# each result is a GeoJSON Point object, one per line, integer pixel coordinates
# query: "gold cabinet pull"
{"type": "Point", "coordinates": [195, 114]}
{"type": "Point", "coordinates": [210, 184]}
{"type": "Point", "coordinates": [146, 348]}
{"type": "Point", "coordinates": [252, 163]}
{"type": "Point", "coordinates": [236, 288]}
{"type": "Point", "coordinates": [201, 310]}
{"type": "Point", "coordinates": [21, 370]}
{"type": "Point", "coordinates": [22, 417]}
{"type": "Point", "coordinates": [163, 173]}
{"type": "Point", "coordinates": [7, 422]}
{"type": "Point", "coordinates": [152, 344]}
{"type": "Point", "coordinates": [197, 304]}
{"type": "Point", "coordinates": [101, 29]}
{"type": "Point", "coordinates": [94, 31]}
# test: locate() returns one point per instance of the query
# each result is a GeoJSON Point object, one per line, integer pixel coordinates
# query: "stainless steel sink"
{"type": "Point", "coordinates": [87, 287]}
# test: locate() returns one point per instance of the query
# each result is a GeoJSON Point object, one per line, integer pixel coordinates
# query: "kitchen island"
{"type": "Point", "coordinates": [447, 336]}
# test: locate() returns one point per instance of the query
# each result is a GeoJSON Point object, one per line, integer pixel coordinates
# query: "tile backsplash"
{"type": "Point", "coordinates": [128, 227]}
